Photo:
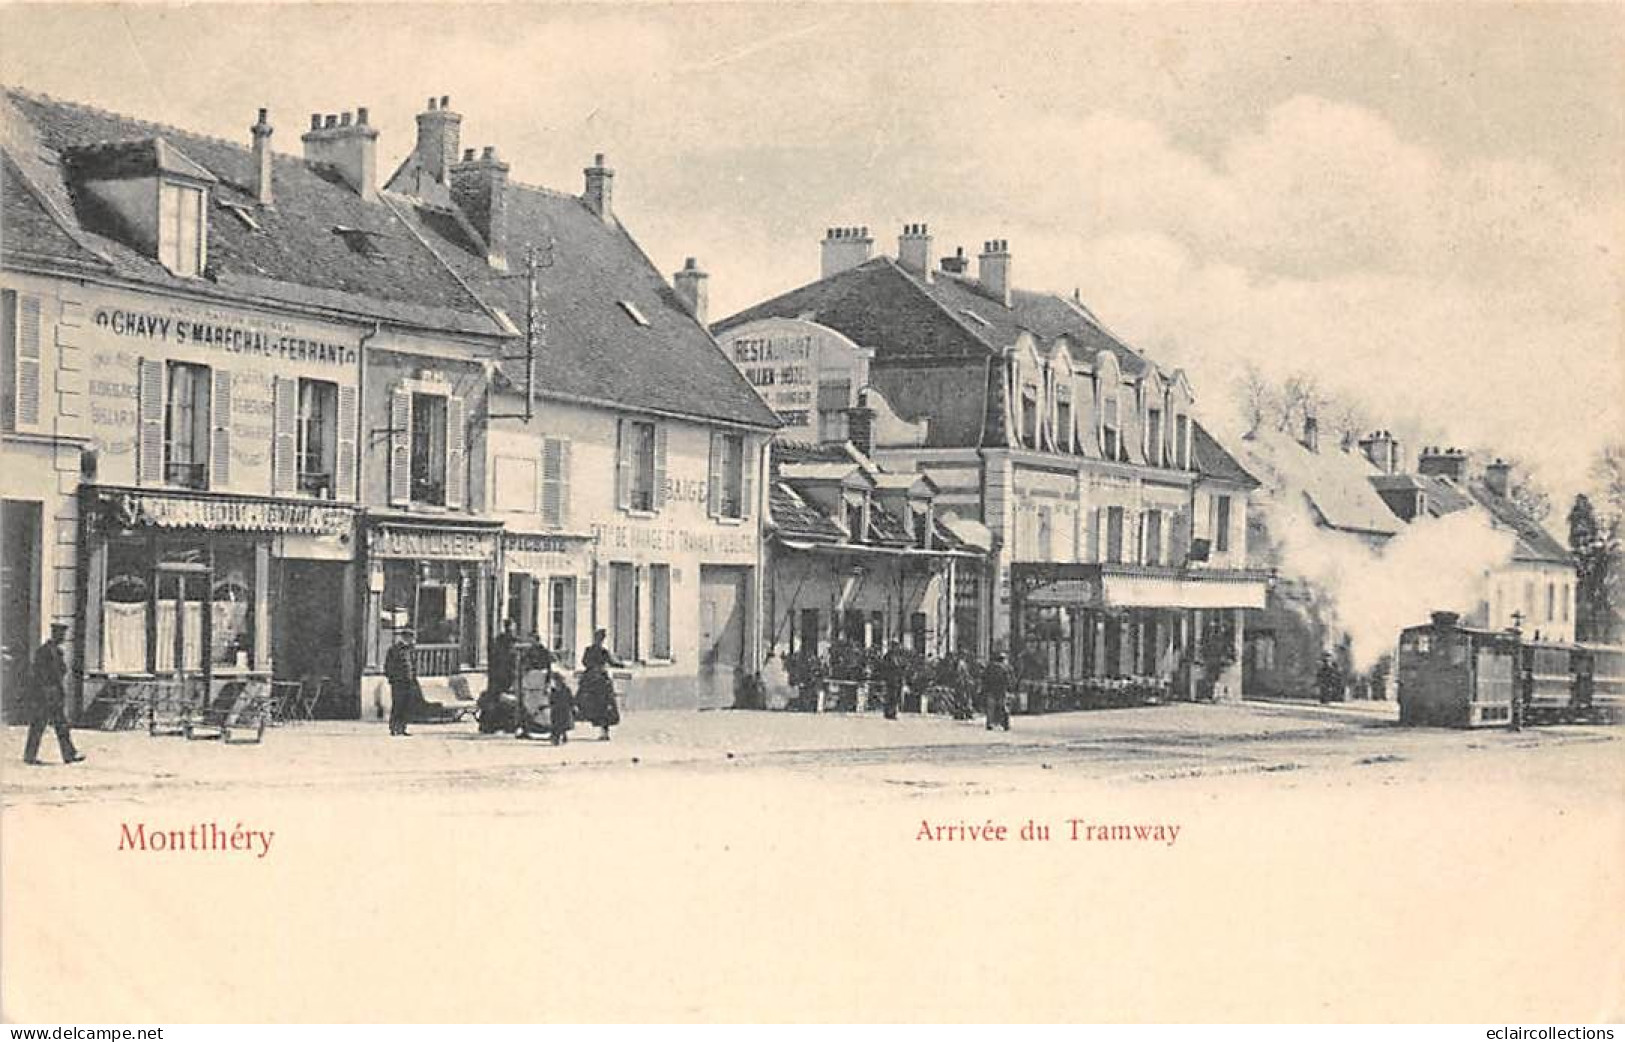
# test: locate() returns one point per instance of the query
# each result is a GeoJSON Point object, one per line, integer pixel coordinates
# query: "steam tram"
{"type": "Point", "coordinates": [1450, 675]}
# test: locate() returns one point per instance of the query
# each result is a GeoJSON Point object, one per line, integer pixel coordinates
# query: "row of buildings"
{"type": "Point", "coordinates": [263, 411]}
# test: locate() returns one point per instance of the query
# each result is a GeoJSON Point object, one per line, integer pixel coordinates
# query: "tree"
{"type": "Point", "coordinates": [1595, 544]}
{"type": "Point", "coordinates": [1525, 490]}
{"type": "Point", "coordinates": [1255, 396]}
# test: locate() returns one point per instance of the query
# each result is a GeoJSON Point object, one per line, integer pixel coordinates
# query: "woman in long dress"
{"type": "Point", "coordinates": [597, 692]}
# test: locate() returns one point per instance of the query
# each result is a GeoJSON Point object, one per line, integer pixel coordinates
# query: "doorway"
{"type": "Point", "coordinates": [724, 600]}
{"type": "Point", "coordinates": [307, 638]}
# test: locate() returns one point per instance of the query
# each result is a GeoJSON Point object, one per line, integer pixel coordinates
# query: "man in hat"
{"type": "Point", "coordinates": [997, 680]}
{"type": "Point", "coordinates": [400, 667]}
{"type": "Point", "coordinates": [44, 699]}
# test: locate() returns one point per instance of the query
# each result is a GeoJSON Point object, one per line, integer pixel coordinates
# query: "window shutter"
{"type": "Point", "coordinates": [660, 466]}
{"type": "Point", "coordinates": [747, 475]}
{"type": "Point", "coordinates": [28, 360]}
{"type": "Point", "coordinates": [285, 436]}
{"type": "Point", "coordinates": [623, 467]}
{"type": "Point", "coordinates": [552, 460]}
{"type": "Point", "coordinates": [456, 454]}
{"type": "Point", "coordinates": [1179, 538]}
{"type": "Point", "coordinates": [564, 483]}
{"type": "Point", "coordinates": [1133, 426]}
{"type": "Point", "coordinates": [150, 459]}
{"type": "Point", "coordinates": [1097, 524]}
{"type": "Point", "coordinates": [400, 447]}
{"type": "Point", "coordinates": [344, 442]}
{"type": "Point", "coordinates": [713, 498]}
{"type": "Point", "coordinates": [220, 432]}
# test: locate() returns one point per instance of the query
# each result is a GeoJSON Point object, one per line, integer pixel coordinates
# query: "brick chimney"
{"type": "Point", "coordinates": [262, 160]}
{"type": "Point", "coordinates": [914, 249]}
{"type": "Point", "coordinates": [690, 284]}
{"type": "Point", "coordinates": [993, 270]}
{"type": "Point", "coordinates": [1382, 450]}
{"type": "Point", "coordinates": [860, 426]}
{"type": "Point", "coordinates": [1311, 433]}
{"type": "Point", "coordinates": [844, 248]}
{"type": "Point", "coordinates": [1497, 476]}
{"type": "Point", "coordinates": [958, 264]}
{"type": "Point", "coordinates": [1443, 463]}
{"type": "Point", "coordinates": [439, 130]}
{"type": "Point", "coordinates": [599, 195]}
{"type": "Point", "coordinates": [479, 187]}
{"type": "Point", "coordinates": [350, 148]}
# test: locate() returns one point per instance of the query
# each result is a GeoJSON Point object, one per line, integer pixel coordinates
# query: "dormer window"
{"type": "Point", "coordinates": [181, 239]}
{"type": "Point", "coordinates": [1029, 415]}
{"type": "Point", "coordinates": [1063, 417]}
{"type": "Point", "coordinates": [360, 241]}
{"type": "Point", "coordinates": [857, 517]}
{"type": "Point", "coordinates": [1153, 437]}
{"type": "Point", "coordinates": [921, 515]}
{"type": "Point", "coordinates": [1110, 425]}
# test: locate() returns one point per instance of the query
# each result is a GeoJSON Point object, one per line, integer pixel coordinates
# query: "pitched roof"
{"type": "Point", "coordinates": [795, 518]}
{"type": "Point", "coordinates": [1212, 461]}
{"type": "Point", "coordinates": [1336, 484]}
{"type": "Point", "coordinates": [289, 255]}
{"type": "Point", "coordinates": [882, 304]}
{"type": "Point", "coordinates": [593, 346]}
{"type": "Point", "coordinates": [1443, 495]}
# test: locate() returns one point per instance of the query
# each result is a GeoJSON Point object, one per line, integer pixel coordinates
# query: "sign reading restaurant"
{"type": "Point", "coordinates": [231, 334]}
{"type": "Point", "coordinates": [787, 359]}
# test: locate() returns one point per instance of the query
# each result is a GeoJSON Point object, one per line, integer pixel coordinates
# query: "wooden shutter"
{"type": "Point", "coordinates": [623, 465]}
{"type": "Point", "coordinates": [1179, 538]}
{"type": "Point", "coordinates": [456, 454]}
{"type": "Point", "coordinates": [220, 431]}
{"type": "Point", "coordinates": [285, 437]}
{"type": "Point", "coordinates": [150, 455]}
{"type": "Point", "coordinates": [1133, 419]}
{"type": "Point", "coordinates": [660, 466]}
{"type": "Point", "coordinates": [553, 450]}
{"type": "Point", "coordinates": [400, 447]}
{"type": "Point", "coordinates": [28, 360]}
{"type": "Point", "coordinates": [344, 444]}
{"type": "Point", "coordinates": [1096, 523]}
{"type": "Point", "coordinates": [747, 475]}
{"type": "Point", "coordinates": [713, 498]}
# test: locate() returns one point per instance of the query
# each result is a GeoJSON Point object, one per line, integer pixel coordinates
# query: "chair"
{"type": "Point", "coordinates": [239, 705]}
{"type": "Point", "coordinates": [168, 704]}
{"type": "Point", "coordinates": [309, 696]}
{"type": "Point", "coordinates": [284, 707]}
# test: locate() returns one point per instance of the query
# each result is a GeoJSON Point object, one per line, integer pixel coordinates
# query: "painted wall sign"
{"type": "Point", "coordinates": [733, 543]}
{"type": "Point", "coordinates": [442, 543]}
{"type": "Point", "coordinates": [534, 543]}
{"type": "Point", "coordinates": [787, 360]}
{"type": "Point", "coordinates": [224, 332]}
{"type": "Point", "coordinates": [138, 509]}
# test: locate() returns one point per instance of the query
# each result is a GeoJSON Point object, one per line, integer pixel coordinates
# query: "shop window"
{"type": "Point", "coordinates": [428, 450]}
{"type": "Point", "coordinates": [231, 621]}
{"type": "Point", "coordinates": [623, 582]}
{"type": "Point", "coordinates": [1153, 437]}
{"type": "Point", "coordinates": [807, 641]}
{"type": "Point", "coordinates": [126, 607]}
{"type": "Point", "coordinates": [438, 599]}
{"type": "Point", "coordinates": [561, 617]}
{"type": "Point", "coordinates": [181, 229]}
{"type": "Point", "coordinates": [1221, 523]}
{"type": "Point", "coordinates": [186, 426]}
{"type": "Point", "coordinates": [522, 608]}
{"type": "Point", "coordinates": [728, 484]}
{"type": "Point", "coordinates": [318, 436]}
{"type": "Point", "coordinates": [642, 465]}
{"type": "Point", "coordinates": [660, 611]}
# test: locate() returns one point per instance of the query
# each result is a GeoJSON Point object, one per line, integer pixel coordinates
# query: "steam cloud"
{"type": "Point", "coordinates": [1370, 594]}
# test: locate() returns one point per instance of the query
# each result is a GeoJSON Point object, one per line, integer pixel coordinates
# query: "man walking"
{"type": "Point", "coordinates": [996, 684]}
{"type": "Point", "coordinates": [400, 667]}
{"type": "Point", "coordinates": [45, 696]}
{"type": "Point", "coordinates": [891, 680]}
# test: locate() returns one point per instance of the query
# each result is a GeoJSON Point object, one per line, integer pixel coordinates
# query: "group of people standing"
{"type": "Point", "coordinates": [511, 662]}
{"type": "Point", "coordinates": [996, 680]}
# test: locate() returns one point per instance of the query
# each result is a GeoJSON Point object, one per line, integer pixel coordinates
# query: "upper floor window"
{"type": "Point", "coordinates": [1221, 523]}
{"type": "Point", "coordinates": [1114, 535]}
{"type": "Point", "coordinates": [1063, 418]}
{"type": "Point", "coordinates": [857, 517]}
{"type": "Point", "coordinates": [1151, 527]}
{"type": "Point", "coordinates": [1153, 437]}
{"type": "Point", "coordinates": [1029, 415]}
{"type": "Point", "coordinates": [429, 449]}
{"type": "Point", "coordinates": [1111, 436]}
{"type": "Point", "coordinates": [317, 435]}
{"type": "Point", "coordinates": [728, 486]}
{"type": "Point", "coordinates": [1182, 431]}
{"type": "Point", "coordinates": [642, 465]}
{"type": "Point", "coordinates": [181, 238]}
{"type": "Point", "coordinates": [921, 517]}
{"type": "Point", "coordinates": [186, 426]}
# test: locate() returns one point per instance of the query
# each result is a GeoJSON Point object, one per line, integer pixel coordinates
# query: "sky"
{"type": "Point", "coordinates": [1419, 204]}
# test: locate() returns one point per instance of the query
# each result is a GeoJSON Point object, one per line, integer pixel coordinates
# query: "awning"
{"type": "Point", "coordinates": [1138, 586]}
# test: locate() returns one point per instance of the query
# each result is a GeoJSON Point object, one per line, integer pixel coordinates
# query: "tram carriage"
{"type": "Point", "coordinates": [1450, 675]}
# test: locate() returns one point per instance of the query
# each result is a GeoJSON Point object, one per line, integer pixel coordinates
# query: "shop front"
{"type": "Point", "coordinates": [202, 590]}
{"type": "Point", "coordinates": [547, 590]}
{"type": "Point", "coordinates": [1119, 633]}
{"type": "Point", "coordinates": [439, 580]}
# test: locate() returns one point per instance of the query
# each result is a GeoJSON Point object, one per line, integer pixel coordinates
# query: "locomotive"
{"type": "Point", "coordinates": [1452, 675]}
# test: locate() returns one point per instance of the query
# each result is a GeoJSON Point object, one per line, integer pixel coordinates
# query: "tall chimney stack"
{"type": "Point", "coordinates": [1311, 433]}
{"type": "Point", "coordinates": [1497, 476]}
{"type": "Point", "coordinates": [261, 130]}
{"type": "Point", "coordinates": [479, 187]}
{"type": "Point", "coordinates": [1443, 463]}
{"type": "Point", "coordinates": [844, 248]}
{"type": "Point", "coordinates": [958, 264]}
{"type": "Point", "coordinates": [914, 249]}
{"type": "Point", "coordinates": [993, 270]}
{"type": "Point", "coordinates": [350, 148]}
{"type": "Point", "coordinates": [690, 284]}
{"type": "Point", "coordinates": [599, 195]}
{"type": "Point", "coordinates": [439, 129]}
{"type": "Point", "coordinates": [1382, 450]}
